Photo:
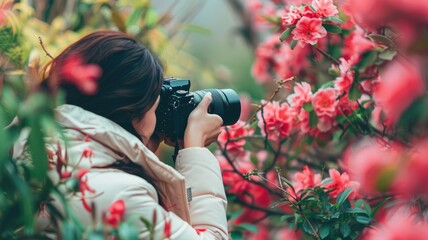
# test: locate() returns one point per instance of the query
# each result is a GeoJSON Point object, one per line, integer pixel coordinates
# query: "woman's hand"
{"type": "Point", "coordinates": [202, 128]}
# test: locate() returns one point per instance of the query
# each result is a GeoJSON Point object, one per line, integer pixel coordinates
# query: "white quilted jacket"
{"type": "Point", "coordinates": [192, 193]}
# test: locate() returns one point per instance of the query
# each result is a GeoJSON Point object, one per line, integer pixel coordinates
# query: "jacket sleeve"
{"type": "Point", "coordinates": [207, 206]}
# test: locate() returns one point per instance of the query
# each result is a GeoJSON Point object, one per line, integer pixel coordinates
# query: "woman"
{"type": "Point", "coordinates": [111, 134]}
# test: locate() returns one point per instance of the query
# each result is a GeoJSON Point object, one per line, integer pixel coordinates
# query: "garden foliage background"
{"type": "Point", "coordinates": [331, 143]}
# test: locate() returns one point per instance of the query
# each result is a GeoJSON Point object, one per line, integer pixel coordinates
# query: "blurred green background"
{"type": "Point", "coordinates": [216, 42]}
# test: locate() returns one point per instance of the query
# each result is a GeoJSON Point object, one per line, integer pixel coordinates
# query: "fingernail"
{"type": "Point", "coordinates": [208, 94]}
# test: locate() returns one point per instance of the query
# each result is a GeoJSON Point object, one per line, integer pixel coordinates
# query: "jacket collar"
{"type": "Point", "coordinates": [111, 142]}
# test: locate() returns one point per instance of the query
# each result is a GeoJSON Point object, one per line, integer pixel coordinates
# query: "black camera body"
{"type": "Point", "coordinates": [177, 102]}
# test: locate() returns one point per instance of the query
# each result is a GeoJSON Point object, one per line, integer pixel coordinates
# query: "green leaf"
{"type": "Point", "coordinates": [95, 235]}
{"type": "Point", "coordinates": [354, 92]}
{"type": "Point", "coordinates": [388, 54]}
{"type": "Point", "coordinates": [363, 220]}
{"type": "Point", "coordinates": [385, 178]}
{"type": "Point", "coordinates": [236, 214]}
{"type": "Point", "coordinates": [248, 227]}
{"type": "Point", "coordinates": [286, 217]}
{"type": "Point", "coordinates": [286, 33]}
{"type": "Point", "coordinates": [37, 150]}
{"type": "Point", "coordinates": [196, 29]}
{"type": "Point", "coordinates": [345, 229]}
{"type": "Point", "coordinates": [343, 196]}
{"type": "Point", "coordinates": [325, 231]}
{"type": "Point", "coordinates": [151, 18]}
{"type": "Point", "coordinates": [381, 39]}
{"type": "Point", "coordinates": [332, 28]}
{"type": "Point", "coordinates": [378, 206]}
{"type": "Point", "coordinates": [308, 107]}
{"type": "Point", "coordinates": [367, 59]}
{"type": "Point", "coordinates": [135, 16]}
{"type": "Point", "coordinates": [355, 210]}
{"type": "Point", "coordinates": [333, 19]}
{"type": "Point", "coordinates": [236, 235]}
{"type": "Point", "coordinates": [128, 232]}
{"type": "Point", "coordinates": [293, 44]}
{"type": "Point", "coordinates": [328, 84]}
{"type": "Point", "coordinates": [69, 231]}
{"type": "Point", "coordinates": [313, 119]}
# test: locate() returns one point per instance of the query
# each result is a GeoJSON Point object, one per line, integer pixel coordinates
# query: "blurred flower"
{"type": "Point", "coordinates": [246, 106]}
{"type": "Point", "coordinates": [292, 17]}
{"type": "Point", "coordinates": [308, 31]}
{"type": "Point", "coordinates": [343, 83]}
{"type": "Point", "coordinates": [83, 76]}
{"type": "Point", "coordinates": [402, 84]}
{"type": "Point", "coordinates": [245, 190]}
{"type": "Point", "coordinates": [84, 187]}
{"type": "Point", "coordinates": [325, 8]}
{"type": "Point", "coordinates": [399, 225]}
{"type": "Point", "coordinates": [5, 8]}
{"type": "Point", "coordinates": [115, 213]}
{"type": "Point", "coordinates": [302, 94]}
{"type": "Point", "coordinates": [373, 165]}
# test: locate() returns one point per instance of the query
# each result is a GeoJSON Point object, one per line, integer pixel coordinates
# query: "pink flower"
{"type": "Point", "coordinates": [229, 134]}
{"type": "Point", "coordinates": [356, 44]}
{"type": "Point", "coordinates": [413, 177]}
{"type": "Point", "coordinates": [246, 106]}
{"type": "Point", "coordinates": [402, 84]}
{"type": "Point", "coordinates": [325, 103]}
{"type": "Point", "coordinates": [339, 183]}
{"type": "Point", "coordinates": [399, 225]}
{"type": "Point", "coordinates": [276, 120]}
{"type": "Point", "coordinates": [308, 31]}
{"type": "Point", "coordinates": [325, 124]}
{"type": "Point", "coordinates": [302, 94]}
{"type": "Point", "coordinates": [83, 76]}
{"type": "Point", "coordinates": [325, 8]}
{"type": "Point", "coordinates": [292, 17]}
{"type": "Point", "coordinates": [343, 83]}
{"type": "Point", "coordinates": [306, 179]}
{"type": "Point", "coordinates": [369, 163]}
{"type": "Point", "coordinates": [5, 7]}
{"type": "Point", "coordinates": [388, 11]}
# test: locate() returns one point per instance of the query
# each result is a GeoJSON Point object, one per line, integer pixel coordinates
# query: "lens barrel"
{"type": "Point", "coordinates": [225, 103]}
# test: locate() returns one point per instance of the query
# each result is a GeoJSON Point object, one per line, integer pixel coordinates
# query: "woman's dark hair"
{"type": "Point", "coordinates": [131, 77]}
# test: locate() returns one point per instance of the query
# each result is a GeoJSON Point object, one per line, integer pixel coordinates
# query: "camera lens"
{"type": "Point", "coordinates": [225, 103]}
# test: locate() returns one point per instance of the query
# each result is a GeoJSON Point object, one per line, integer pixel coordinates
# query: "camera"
{"type": "Point", "coordinates": [177, 102]}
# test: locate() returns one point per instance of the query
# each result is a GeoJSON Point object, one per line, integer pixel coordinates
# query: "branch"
{"type": "Point", "coordinates": [44, 49]}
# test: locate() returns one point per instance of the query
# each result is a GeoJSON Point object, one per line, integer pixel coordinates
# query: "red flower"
{"type": "Point", "coordinates": [115, 213]}
{"type": "Point", "coordinates": [84, 187]}
{"type": "Point", "coordinates": [83, 76]}
{"type": "Point", "coordinates": [167, 229]}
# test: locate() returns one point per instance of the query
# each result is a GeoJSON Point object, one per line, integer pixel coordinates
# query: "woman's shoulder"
{"type": "Point", "coordinates": [109, 181]}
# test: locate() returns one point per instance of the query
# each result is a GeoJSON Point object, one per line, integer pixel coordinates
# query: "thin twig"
{"type": "Point", "coordinates": [44, 49]}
